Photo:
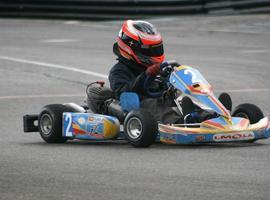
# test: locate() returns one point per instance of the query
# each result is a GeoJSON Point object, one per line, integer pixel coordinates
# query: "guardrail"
{"type": "Point", "coordinates": [237, 6]}
{"type": "Point", "coordinates": [118, 9]}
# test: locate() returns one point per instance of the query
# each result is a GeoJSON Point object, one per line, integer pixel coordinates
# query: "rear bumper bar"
{"type": "Point", "coordinates": [30, 123]}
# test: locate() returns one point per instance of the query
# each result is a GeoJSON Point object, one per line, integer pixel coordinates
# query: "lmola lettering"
{"type": "Point", "coordinates": [233, 137]}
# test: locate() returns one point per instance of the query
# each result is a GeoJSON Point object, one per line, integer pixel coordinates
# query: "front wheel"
{"type": "Point", "coordinates": [249, 111]}
{"type": "Point", "coordinates": [50, 123]}
{"type": "Point", "coordinates": [140, 128]}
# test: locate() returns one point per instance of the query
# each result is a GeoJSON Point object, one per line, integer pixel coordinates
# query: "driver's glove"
{"type": "Point", "coordinates": [153, 70]}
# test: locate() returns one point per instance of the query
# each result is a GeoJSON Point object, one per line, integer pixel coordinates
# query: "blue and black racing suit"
{"type": "Point", "coordinates": [127, 76]}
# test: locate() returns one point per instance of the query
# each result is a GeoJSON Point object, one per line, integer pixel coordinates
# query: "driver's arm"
{"type": "Point", "coordinates": [138, 83]}
{"type": "Point", "coordinates": [121, 81]}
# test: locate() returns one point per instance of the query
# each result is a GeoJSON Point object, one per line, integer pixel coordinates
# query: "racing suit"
{"type": "Point", "coordinates": [128, 76]}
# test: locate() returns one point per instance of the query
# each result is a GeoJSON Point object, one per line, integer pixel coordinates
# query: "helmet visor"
{"type": "Point", "coordinates": [152, 51]}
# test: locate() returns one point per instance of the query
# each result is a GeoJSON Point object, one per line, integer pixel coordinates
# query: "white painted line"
{"type": "Point", "coordinates": [82, 95]}
{"type": "Point", "coordinates": [255, 51]}
{"type": "Point", "coordinates": [71, 22]}
{"type": "Point", "coordinates": [104, 76]}
{"type": "Point", "coordinates": [40, 96]}
{"type": "Point", "coordinates": [235, 31]}
{"type": "Point", "coordinates": [43, 64]}
{"type": "Point", "coordinates": [58, 40]}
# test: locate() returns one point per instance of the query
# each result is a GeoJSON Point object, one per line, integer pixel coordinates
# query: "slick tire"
{"type": "Point", "coordinates": [249, 111]}
{"type": "Point", "coordinates": [140, 128]}
{"type": "Point", "coordinates": [50, 123]}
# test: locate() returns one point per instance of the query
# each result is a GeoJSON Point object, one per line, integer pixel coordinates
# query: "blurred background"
{"type": "Point", "coordinates": [118, 9]}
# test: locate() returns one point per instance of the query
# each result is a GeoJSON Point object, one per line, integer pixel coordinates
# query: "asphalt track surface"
{"type": "Point", "coordinates": [44, 62]}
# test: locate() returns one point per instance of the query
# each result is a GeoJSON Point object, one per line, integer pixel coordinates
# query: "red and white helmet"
{"type": "Point", "coordinates": [140, 41]}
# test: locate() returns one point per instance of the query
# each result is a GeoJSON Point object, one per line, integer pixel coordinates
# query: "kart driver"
{"type": "Point", "coordinates": [139, 51]}
{"type": "Point", "coordinates": [140, 54]}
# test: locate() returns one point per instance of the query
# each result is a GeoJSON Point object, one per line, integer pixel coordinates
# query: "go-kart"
{"type": "Point", "coordinates": [205, 118]}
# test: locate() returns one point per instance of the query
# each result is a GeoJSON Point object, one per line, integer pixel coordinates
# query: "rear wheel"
{"type": "Point", "coordinates": [249, 111]}
{"type": "Point", "coordinates": [50, 123]}
{"type": "Point", "coordinates": [140, 128]}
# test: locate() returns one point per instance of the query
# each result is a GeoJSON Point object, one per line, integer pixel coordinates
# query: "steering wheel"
{"type": "Point", "coordinates": [154, 86]}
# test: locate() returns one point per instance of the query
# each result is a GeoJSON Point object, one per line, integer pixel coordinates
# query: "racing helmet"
{"type": "Point", "coordinates": [141, 42]}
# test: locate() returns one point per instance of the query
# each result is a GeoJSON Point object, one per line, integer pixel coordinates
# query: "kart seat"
{"type": "Point", "coordinates": [97, 94]}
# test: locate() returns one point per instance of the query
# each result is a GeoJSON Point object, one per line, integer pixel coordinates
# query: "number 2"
{"type": "Point", "coordinates": [194, 78]}
{"type": "Point", "coordinates": [68, 119]}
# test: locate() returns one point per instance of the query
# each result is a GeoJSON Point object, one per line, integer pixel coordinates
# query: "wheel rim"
{"type": "Point", "coordinates": [243, 115]}
{"type": "Point", "coordinates": [46, 124]}
{"type": "Point", "coordinates": [134, 128]}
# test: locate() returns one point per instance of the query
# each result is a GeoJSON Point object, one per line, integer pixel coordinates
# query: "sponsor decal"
{"type": "Point", "coordinates": [167, 139]}
{"type": "Point", "coordinates": [81, 121]}
{"type": "Point", "coordinates": [99, 119]}
{"type": "Point", "coordinates": [200, 138]}
{"type": "Point", "coordinates": [95, 119]}
{"type": "Point", "coordinates": [91, 119]}
{"type": "Point", "coordinates": [233, 137]}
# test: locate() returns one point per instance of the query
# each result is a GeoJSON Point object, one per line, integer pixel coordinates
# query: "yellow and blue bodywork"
{"type": "Point", "coordinates": [215, 130]}
{"type": "Point", "coordinates": [224, 128]}
{"type": "Point", "coordinates": [90, 126]}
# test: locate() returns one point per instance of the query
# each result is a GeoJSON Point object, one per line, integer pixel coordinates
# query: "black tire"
{"type": "Point", "coordinates": [52, 115]}
{"type": "Point", "coordinates": [248, 111]}
{"type": "Point", "coordinates": [147, 128]}
{"type": "Point", "coordinates": [226, 100]}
